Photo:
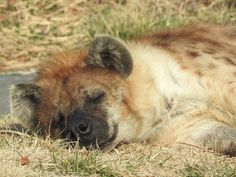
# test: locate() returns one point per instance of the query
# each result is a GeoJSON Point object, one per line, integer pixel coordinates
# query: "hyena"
{"type": "Point", "coordinates": [174, 86]}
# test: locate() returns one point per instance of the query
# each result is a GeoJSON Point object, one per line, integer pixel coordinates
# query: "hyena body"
{"type": "Point", "coordinates": [167, 87]}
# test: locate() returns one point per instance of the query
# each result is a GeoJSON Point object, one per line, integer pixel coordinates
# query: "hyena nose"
{"type": "Point", "coordinates": [84, 127]}
{"type": "Point", "coordinates": [80, 124]}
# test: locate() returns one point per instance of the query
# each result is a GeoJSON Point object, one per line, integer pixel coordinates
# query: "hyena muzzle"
{"type": "Point", "coordinates": [165, 87]}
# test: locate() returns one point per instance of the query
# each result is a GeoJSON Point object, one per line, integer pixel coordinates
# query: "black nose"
{"type": "Point", "coordinates": [79, 123]}
{"type": "Point", "coordinates": [84, 127]}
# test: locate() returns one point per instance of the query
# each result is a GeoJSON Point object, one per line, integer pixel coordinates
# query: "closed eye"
{"type": "Point", "coordinates": [96, 97]}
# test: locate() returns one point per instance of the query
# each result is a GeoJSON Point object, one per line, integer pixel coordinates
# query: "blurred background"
{"type": "Point", "coordinates": [31, 30]}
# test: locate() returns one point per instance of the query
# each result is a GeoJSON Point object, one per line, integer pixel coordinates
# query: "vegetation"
{"type": "Point", "coordinates": [31, 156]}
{"type": "Point", "coordinates": [30, 30]}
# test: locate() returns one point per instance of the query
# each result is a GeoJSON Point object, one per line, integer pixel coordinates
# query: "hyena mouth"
{"type": "Point", "coordinates": [109, 142]}
{"type": "Point", "coordinates": [98, 142]}
{"type": "Point", "coordinates": [93, 140]}
{"type": "Point", "coordinates": [89, 130]}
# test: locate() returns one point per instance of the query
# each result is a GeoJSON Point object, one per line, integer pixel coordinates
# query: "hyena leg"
{"type": "Point", "coordinates": [211, 135]}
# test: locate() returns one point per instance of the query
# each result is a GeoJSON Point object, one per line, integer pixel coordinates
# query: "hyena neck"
{"type": "Point", "coordinates": [157, 85]}
{"type": "Point", "coordinates": [146, 99]}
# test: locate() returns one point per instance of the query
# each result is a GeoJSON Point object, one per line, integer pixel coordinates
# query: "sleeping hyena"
{"type": "Point", "coordinates": [165, 87]}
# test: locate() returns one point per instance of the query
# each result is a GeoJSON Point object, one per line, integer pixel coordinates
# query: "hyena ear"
{"type": "Point", "coordinates": [23, 100]}
{"type": "Point", "coordinates": [108, 52]}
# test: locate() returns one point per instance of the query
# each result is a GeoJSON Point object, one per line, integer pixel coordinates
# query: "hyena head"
{"type": "Point", "coordinates": [78, 95]}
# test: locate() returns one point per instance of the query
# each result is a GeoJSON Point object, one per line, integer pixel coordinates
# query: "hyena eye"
{"type": "Point", "coordinates": [59, 120]}
{"type": "Point", "coordinates": [96, 97]}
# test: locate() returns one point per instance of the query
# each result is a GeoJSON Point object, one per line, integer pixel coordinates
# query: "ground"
{"type": "Point", "coordinates": [24, 155]}
{"type": "Point", "coordinates": [31, 30]}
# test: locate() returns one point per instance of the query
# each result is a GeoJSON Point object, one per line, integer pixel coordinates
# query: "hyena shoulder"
{"type": "Point", "coordinates": [190, 61]}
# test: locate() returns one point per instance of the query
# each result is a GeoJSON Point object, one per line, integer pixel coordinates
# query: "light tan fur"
{"type": "Point", "coordinates": [182, 92]}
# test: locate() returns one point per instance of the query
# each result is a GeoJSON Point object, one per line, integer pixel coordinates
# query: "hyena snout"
{"type": "Point", "coordinates": [79, 124]}
{"type": "Point", "coordinates": [91, 131]}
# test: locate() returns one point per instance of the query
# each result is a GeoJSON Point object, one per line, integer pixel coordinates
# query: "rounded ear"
{"type": "Point", "coordinates": [23, 100]}
{"type": "Point", "coordinates": [108, 52]}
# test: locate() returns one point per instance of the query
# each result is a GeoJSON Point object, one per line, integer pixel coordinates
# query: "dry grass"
{"type": "Point", "coordinates": [31, 29]}
{"type": "Point", "coordinates": [54, 158]}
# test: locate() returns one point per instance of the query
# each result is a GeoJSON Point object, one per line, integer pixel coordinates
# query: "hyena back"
{"type": "Point", "coordinates": [165, 87]}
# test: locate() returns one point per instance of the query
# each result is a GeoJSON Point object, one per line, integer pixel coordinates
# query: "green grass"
{"type": "Point", "coordinates": [82, 164]}
{"type": "Point", "coordinates": [196, 170]}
